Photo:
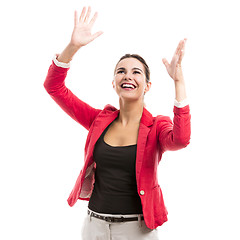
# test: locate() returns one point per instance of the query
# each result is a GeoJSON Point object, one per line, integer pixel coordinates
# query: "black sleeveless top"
{"type": "Point", "coordinates": [115, 187]}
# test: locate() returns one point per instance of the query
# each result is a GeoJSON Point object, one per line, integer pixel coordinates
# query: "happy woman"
{"type": "Point", "coordinates": [124, 146]}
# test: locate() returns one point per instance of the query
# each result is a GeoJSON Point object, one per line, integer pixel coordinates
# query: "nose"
{"type": "Point", "coordinates": [128, 76]}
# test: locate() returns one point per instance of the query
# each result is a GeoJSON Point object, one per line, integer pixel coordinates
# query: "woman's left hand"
{"type": "Point", "coordinates": [174, 69]}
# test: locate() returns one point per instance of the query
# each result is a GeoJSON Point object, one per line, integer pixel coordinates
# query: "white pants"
{"type": "Point", "coordinates": [98, 229]}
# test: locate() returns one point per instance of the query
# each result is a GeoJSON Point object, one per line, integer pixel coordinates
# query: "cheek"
{"type": "Point", "coordinates": [115, 78]}
{"type": "Point", "coordinates": [141, 82]}
{"type": "Point", "coordinates": [116, 81]}
{"type": "Point", "coordinates": [115, 84]}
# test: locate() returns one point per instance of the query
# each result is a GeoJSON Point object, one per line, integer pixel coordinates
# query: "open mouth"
{"type": "Point", "coordinates": [128, 86]}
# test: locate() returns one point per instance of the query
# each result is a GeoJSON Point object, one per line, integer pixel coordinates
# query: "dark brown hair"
{"type": "Point", "coordinates": [140, 59]}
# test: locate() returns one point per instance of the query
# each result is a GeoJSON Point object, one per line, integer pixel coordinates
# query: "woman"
{"type": "Point", "coordinates": [123, 147]}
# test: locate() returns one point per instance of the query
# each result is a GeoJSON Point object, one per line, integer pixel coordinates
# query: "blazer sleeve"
{"type": "Point", "coordinates": [71, 104]}
{"type": "Point", "coordinates": [175, 135]}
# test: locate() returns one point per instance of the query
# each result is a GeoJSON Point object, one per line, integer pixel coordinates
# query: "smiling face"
{"type": "Point", "coordinates": [130, 81]}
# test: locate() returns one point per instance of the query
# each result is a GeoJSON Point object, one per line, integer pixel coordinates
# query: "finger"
{"type": "Point", "coordinates": [179, 48]}
{"type": "Point", "coordinates": [88, 14]}
{"type": "Point", "coordinates": [179, 52]}
{"type": "Point", "coordinates": [183, 43]}
{"type": "Point", "coordinates": [93, 19]}
{"type": "Point", "coordinates": [75, 18]}
{"type": "Point", "coordinates": [82, 14]}
{"type": "Point", "coordinates": [165, 62]}
{"type": "Point", "coordinates": [180, 58]}
{"type": "Point", "coordinates": [95, 35]}
{"type": "Point", "coordinates": [182, 51]}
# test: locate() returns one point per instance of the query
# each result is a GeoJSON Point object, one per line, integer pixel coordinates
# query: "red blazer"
{"type": "Point", "coordinates": [156, 135]}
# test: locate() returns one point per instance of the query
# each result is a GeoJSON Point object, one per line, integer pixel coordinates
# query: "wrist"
{"type": "Point", "coordinates": [180, 90]}
{"type": "Point", "coordinates": [179, 81]}
{"type": "Point", "coordinates": [67, 55]}
{"type": "Point", "coordinates": [73, 47]}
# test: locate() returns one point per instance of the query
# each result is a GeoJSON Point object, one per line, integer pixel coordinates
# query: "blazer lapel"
{"type": "Point", "coordinates": [100, 124]}
{"type": "Point", "coordinates": [145, 123]}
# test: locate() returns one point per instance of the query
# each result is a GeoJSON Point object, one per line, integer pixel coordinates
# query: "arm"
{"type": "Point", "coordinates": [55, 80]}
{"type": "Point", "coordinates": [176, 135]}
{"type": "Point", "coordinates": [174, 70]}
{"type": "Point", "coordinates": [71, 104]}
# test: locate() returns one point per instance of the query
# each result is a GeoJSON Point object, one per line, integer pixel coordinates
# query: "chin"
{"type": "Point", "coordinates": [130, 98]}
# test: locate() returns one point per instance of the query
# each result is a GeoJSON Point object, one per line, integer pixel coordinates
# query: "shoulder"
{"type": "Point", "coordinates": [155, 119]}
{"type": "Point", "coordinates": [152, 121]}
{"type": "Point", "coordinates": [162, 118]}
{"type": "Point", "coordinates": [163, 122]}
{"type": "Point", "coordinates": [110, 108]}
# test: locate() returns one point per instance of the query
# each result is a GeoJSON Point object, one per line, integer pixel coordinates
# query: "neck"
{"type": "Point", "coordinates": [130, 112]}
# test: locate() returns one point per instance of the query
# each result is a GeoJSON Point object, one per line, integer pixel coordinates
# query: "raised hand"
{"type": "Point", "coordinates": [82, 35]}
{"type": "Point", "coordinates": [174, 69]}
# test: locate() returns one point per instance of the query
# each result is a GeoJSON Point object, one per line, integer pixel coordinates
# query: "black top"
{"type": "Point", "coordinates": [115, 188]}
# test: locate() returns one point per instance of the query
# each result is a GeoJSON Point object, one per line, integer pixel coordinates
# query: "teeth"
{"type": "Point", "coordinates": [127, 85]}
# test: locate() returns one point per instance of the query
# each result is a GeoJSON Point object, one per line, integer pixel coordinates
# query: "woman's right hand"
{"type": "Point", "coordinates": [82, 35]}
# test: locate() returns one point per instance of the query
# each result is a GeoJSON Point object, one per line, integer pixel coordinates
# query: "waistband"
{"type": "Point", "coordinates": [114, 218]}
{"type": "Point", "coordinates": [115, 215]}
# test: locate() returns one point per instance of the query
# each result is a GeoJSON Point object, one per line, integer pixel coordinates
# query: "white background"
{"type": "Point", "coordinates": [42, 148]}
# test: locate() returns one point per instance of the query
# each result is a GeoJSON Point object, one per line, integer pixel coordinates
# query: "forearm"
{"type": "Point", "coordinates": [175, 135]}
{"type": "Point", "coordinates": [180, 90]}
{"type": "Point", "coordinates": [68, 53]}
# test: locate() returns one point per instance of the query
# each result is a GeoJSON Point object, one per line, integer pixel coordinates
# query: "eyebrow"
{"type": "Point", "coordinates": [138, 69]}
{"type": "Point", "coordinates": [135, 68]}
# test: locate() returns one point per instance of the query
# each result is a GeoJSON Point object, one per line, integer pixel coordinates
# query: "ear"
{"type": "Point", "coordinates": [147, 88]}
{"type": "Point", "coordinates": [113, 83]}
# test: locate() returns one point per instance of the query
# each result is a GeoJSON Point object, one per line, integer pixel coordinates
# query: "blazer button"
{"type": "Point", "coordinates": [142, 192]}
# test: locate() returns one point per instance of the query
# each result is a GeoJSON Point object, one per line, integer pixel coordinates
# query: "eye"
{"type": "Point", "coordinates": [136, 72]}
{"type": "Point", "coordinates": [120, 71]}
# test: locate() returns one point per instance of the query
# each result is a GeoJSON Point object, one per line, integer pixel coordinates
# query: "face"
{"type": "Point", "coordinates": [130, 80]}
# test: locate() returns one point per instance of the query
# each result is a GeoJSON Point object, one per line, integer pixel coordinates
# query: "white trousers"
{"type": "Point", "coordinates": [98, 229]}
